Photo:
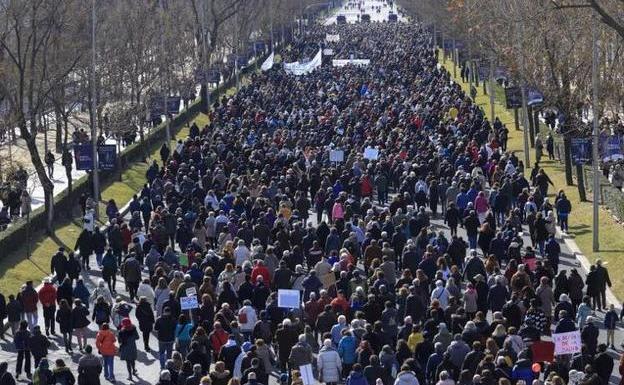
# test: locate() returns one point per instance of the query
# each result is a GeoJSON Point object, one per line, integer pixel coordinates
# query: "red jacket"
{"type": "Point", "coordinates": [264, 272]}
{"type": "Point", "coordinates": [29, 299]}
{"type": "Point", "coordinates": [47, 295]}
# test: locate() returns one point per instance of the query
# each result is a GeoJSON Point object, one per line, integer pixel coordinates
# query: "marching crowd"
{"type": "Point", "coordinates": [258, 200]}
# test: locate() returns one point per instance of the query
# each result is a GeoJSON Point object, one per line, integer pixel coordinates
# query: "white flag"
{"type": "Point", "coordinates": [268, 63]}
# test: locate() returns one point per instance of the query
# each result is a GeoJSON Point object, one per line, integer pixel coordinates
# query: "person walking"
{"type": "Point", "coordinates": [145, 316]}
{"type": "Point", "coordinates": [105, 343]}
{"type": "Point", "coordinates": [165, 327]}
{"type": "Point", "coordinates": [47, 297]}
{"type": "Point", "coordinates": [131, 272]}
{"type": "Point", "coordinates": [603, 281]}
{"type": "Point", "coordinates": [329, 364]}
{"type": "Point", "coordinates": [80, 323]}
{"type": "Point", "coordinates": [29, 299]}
{"type": "Point", "coordinates": [39, 345]}
{"type": "Point", "coordinates": [89, 368]}
{"type": "Point", "coordinates": [128, 336]}
{"type": "Point", "coordinates": [64, 319]}
{"type": "Point", "coordinates": [21, 342]}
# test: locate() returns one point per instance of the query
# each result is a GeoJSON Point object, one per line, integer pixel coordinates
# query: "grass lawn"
{"type": "Point", "coordinates": [611, 241]}
{"type": "Point", "coordinates": [15, 268]}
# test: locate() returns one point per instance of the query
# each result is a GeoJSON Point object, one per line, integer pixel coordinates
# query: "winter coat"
{"type": "Point", "coordinates": [356, 378]}
{"type": "Point", "coordinates": [105, 342]}
{"type": "Point", "coordinates": [329, 365]}
{"type": "Point", "coordinates": [64, 319]}
{"type": "Point", "coordinates": [346, 349]}
{"type": "Point", "coordinates": [406, 378]}
{"type": "Point", "coordinates": [89, 369]}
{"type": "Point", "coordinates": [127, 344]}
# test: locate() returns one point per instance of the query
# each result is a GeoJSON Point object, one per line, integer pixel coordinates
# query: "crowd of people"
{"type": "Point", "coordinates": [410, 261]}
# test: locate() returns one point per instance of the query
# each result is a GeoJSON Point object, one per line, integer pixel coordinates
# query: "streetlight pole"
{"type": "Point", "coordinates": [164, 73]}
{"type": "Point", "coordinates": [596, 136]}
{"type": "Point", "coordinates": [94, 139]}
{"type": "Point", "coordinates": [492, 112]}
{"type": "Point", "coordinates": [205, 53]}
{"type": "Point", "coordinates": [525, 117]}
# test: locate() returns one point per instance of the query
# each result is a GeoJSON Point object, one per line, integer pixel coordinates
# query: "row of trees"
{"type": "Point", "coordinates": [143, 47]}
{"type": "Point", "coordinates": [548, 43]}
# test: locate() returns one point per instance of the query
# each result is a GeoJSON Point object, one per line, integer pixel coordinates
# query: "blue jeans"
{"type": "Point", "coordinates": [109, 371]}
{"type": "Point", "coordinates": [165, 349]}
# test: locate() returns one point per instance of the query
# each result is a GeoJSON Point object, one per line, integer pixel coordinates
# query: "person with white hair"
{"type": "Point", "coordinates": [336, 330]}
{"type": "Point", "coordinates": [101, 290]}
{"type": "Point", "coordinates": [301, 353]}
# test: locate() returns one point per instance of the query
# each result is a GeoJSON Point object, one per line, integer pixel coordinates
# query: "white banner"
{"type": "Point", "coordinates": [567, 343]}
{"type": "Point", "coordinates": [328, 52]}
{"type": "Point", "coordinates": [297, 68]}
{"type": "Point", "coordinates": [332, 38]}
{"type": "Point", "coordinates": [356, 62]}
{"type": "Point", "coordinates": [268, 63]}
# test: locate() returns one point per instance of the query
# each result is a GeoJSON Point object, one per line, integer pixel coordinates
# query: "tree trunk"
{"type": "Point", "coordinates": [58, 119]}
{"type": "Point", "coordinates": [68, 168]}
{"type": "Point", "coordinates": [46, 183]}
{"type": "Point", "coordinates": [580, 177]}
{"type": "Point", "coordinates": [531, 126]}
{"type": "Point", "coordinates": [567, 161]}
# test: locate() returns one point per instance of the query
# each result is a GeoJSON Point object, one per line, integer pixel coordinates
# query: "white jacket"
{"type": "Point", "coordinates": [146, 291]}
{"type": "Point", "coordinates": [252, 318]}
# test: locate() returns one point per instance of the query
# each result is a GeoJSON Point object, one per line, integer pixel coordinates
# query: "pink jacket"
{"type": "Point", "coordinates": [337, 211]}
{"type": "Point", "coordinates": [481, 204]}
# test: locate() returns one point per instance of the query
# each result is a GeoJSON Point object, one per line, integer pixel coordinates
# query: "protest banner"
{"type": "Point", "coordinates": [290, 299]}
{"type": "Point", "coordinates": [328, 280]}
{"type": "Point", "coordinates": [567, 343]}
{"type": "Point", "coordinates": [268, 63]}
{"type": "Point", "coordinates": [355, 62]}
{"type": "Point", "coordinates": [107, 157]}
{"type": "Point", "coordinates": [306, 374]}
{"type": "Point", "coordinates": [371, 153]}
{"type": "Point", "coordinates": [581, 150]}
{"type": "Point", "coordinates": [336, 156]}
{"type": "Point", "coordinates": [188, 303]}
{"type": "Point", "coordinates": [513, 97]}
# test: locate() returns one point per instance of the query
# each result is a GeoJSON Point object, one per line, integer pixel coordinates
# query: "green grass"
{"type": "Point", "coordinates": [611, 240]}
{"type": "Point", "coordinates": [15, 268]}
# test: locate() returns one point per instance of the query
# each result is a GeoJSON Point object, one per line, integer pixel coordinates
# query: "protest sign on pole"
{"type": "Point", "coordinates": [191, 291]}
{"type": "Point", "coordinates": [306, 374]}
{"type": "Point", "coordinates": [188, 303]}
{"type": "Point", "coordinates": [336, 156]}
{"type": "Point", "coordinates": [567, 343]}
{"type": "Point", "coordinates": [290, 299]}
{"type": "Point", "coordinates": [371, 153]}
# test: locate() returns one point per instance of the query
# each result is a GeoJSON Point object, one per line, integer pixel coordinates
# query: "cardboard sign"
{"type": "Point", "coordinates": [336, 156]}
{"type": "Point", "coordinates": [371, 153]}
{"type": "Point", "coordinates": [191, 291]}
{"type": "Point", "coordinates": [306, 374]}
{"type": "Point", "coordinates": [188, 303]}
{"type": "Point", "coordinates": [290, 299]}
{"type": "Point", "coordinates": [328, 280]}
{"type": "Point", "coordinates": [567, 343]}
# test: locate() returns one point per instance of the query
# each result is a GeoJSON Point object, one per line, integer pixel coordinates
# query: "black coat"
{"type": "Point", "coordinates": [145, 316]}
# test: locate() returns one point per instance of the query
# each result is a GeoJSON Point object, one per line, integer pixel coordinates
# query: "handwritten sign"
{"type": "Point", "coordinates": [188, 303]}
{"type": "Point", "coordinates": [191, 291]}
{"type": "Point", "coordinates": [328, 280]}
{"type": "Point", "coordinates": [567, 343]}
{"type": "Point", "coordinates": [306, 374]}
{"type": "Point", "coordinates": [290, 299]}
{"type": "Point", "coordinates": [371, 153]}
{"type": "Point", "coordinates": [336, 156]}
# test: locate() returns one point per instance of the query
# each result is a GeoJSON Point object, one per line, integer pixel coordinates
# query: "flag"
{"type": "Point", "coordinates": [268, 63]}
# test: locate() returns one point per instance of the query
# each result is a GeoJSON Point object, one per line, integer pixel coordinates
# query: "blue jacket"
{"type": "Point", "coordinates": [610, 320]}
{"type": "Point", "coordinates": [346, 350]}
{"type": "Point", "coordinates": [356, 378]}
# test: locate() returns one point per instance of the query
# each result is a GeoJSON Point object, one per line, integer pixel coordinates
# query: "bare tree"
{"type": "Point", "coordinates": [30, 32]}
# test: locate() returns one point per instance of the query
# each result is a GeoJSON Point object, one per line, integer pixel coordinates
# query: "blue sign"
{"type": "Point", "coordinates": [534, 96]}
{"type": "Point", "coordinates": [107, 157]}
{"type": "Point", "coordinates": [83, 155]}
{"type": "Point", "coordinates": [157, 106]}
{"type": "Point", "coordinates": [611, 147]}
{"type": "Point", "coordinates": [581, 150]}
{"type": "Point", "coordinates": [211, 76]}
